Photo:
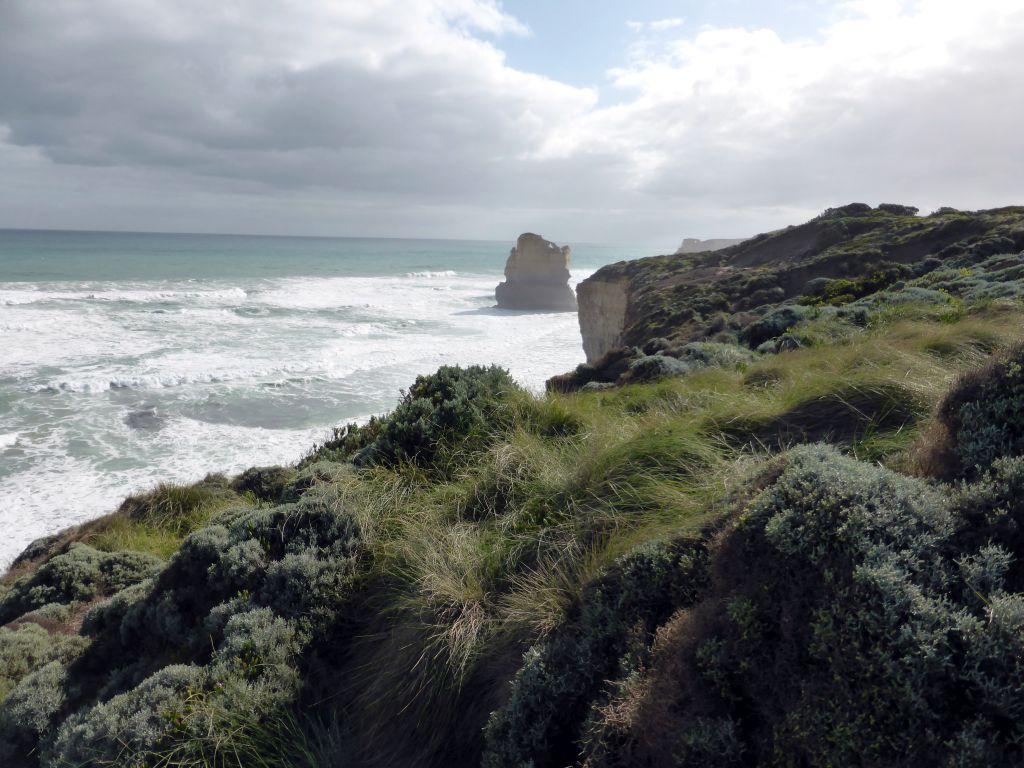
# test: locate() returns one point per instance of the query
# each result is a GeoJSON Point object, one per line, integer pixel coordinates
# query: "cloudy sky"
{"type": "Point", "coordinates": [589, 120]}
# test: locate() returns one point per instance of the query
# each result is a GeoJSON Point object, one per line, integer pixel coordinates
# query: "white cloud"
{"type": "Point", "coordinates": [403, 117]}
{"type": "Point", "coordinates": [918, 102]}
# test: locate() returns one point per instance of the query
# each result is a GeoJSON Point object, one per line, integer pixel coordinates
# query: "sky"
{"type": "Point", "coordinates": [584, 120]}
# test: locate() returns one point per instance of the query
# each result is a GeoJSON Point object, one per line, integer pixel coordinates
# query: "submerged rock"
{"type": "Point", "coordinates": [145, 419]}
{"type": "Point", "coordinates": [536, 276]}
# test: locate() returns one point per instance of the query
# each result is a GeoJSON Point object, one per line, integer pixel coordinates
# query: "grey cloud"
{"type": "Point", "coordinates": [388, 117]}
{"type": "Point", "coordinates": [450, 125]}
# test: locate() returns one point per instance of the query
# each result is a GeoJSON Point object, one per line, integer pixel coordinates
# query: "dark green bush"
{"type": "Point", "coordinates": [265, 483]}
{"type": "Point", "coordinates": [990, 511]}
{"type": "Point", "coordinates": [191, 713]}
{"type": "Point", "coordinates": [773, 324]}
{"type": "Point", "coordinates": [705, 353]}
{"type": "Point", "coordinates": [984, 413]}
{"type": "Point", "coordinates": [298, 559]}
{"type": "Point", "coordinates": [444, 410]}
{"type": "Point", "coordinates": [563, 679]}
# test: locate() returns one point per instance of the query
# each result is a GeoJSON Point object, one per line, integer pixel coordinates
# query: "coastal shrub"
{"type": "Point", "coordinates": [984, 413]}
{"type": "Point", "coordinates": [990, 512]}
{"type": "Point", "coordinates": [250, 679]}
{"type": "Point", "coordinates": [845, 627]}
{"type": "Point", "coordinates": [252, 669]}
{"type": "Point", "coordinates": [268, 484]}
{"type": "Point", "coordinates": [898, 210]}
{"type": "Point", "coordinates": [30, 711]}
{"type": "Point", "coordinates": [656, 345]}
{"type": "Point", "coordinates": [37, 550]}
{"type": "Point", "coordinates": [297, 559]}
{"type": "Point", "coordinates": [106, 617]}
{"type": "Point", "coordinates": [709, 353]}
{"type": "Point", "coordinates": [562, 679]}
{"type": "Point", "coordinates": [773, 324]}
{"type": "Point", "coordinates": [80, 574]}
{"type": "Point", "coordinates": [843, 290]}
{"type": "Point", "coordinates": [130, 727]}
{"type": "Point", "coordinates": [28, 647]}
{"type": "Point", "coordinates": [190, 715]}
{"type": "Point", "coordinates": [449, 408]}
{"type": "Point", "coordinates": [652, 367]}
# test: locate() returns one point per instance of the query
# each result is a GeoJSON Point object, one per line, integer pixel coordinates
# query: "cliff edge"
{"type": "Point", "coordinates": [835, 259]}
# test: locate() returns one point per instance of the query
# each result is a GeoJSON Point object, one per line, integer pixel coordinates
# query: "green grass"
{"type": "Point", "coordinates": [156, 522]}
{"type": "Point", "coordinates": [464, 569]}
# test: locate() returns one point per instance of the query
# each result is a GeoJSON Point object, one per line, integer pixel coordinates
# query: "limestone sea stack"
{"type": "Point", "coordinates": [536, 276]}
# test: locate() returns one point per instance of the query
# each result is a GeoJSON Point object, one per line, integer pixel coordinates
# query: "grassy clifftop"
{"type": "Point", "coordinates": [787, 553]}
{"type": "Point", "coordinates": [752, 292]}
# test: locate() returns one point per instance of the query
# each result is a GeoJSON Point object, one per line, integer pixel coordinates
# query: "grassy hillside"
{"type": "Point", "coordinates": [764, 552]}
{"type": "Point", "coordinates": [833, 269]}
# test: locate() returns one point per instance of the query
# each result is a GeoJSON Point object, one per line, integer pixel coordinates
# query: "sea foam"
{"type": "Point", "coordinates": [242, 372]}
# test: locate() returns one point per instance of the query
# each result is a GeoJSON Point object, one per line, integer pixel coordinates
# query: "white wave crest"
{"type": "Point", "coordinates": [428, 274]}
{"type": "Point", "coordinates": [19, 297]}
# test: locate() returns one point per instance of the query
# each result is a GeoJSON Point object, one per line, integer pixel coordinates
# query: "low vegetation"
{"type": "Point", "coordinates": [800, 545]}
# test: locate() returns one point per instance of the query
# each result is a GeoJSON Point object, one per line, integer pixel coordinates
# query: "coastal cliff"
{"type": "Point", "coordinates": [695, 245]}
{"type": "Point", "coordinates": [603, 304]}
{"type": "Point", "coordinates": [834, 259]}
{"type": "Point", "coordinates": [779, 525]}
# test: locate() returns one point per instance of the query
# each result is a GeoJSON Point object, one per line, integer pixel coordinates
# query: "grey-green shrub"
{"type": "Point", "coordinates": [776, 322]}
{"type": "Point", "coordinates": [81, 573]}
{"type": "Point", "coordinates": [131, 726]}
{"type": "Point", "coordinates": [852, 622]}
{"type": "Point", "coordinates": [985, 413]}
{"type": "Point", "coordinates": [30, 712]}
{"type": "Point", "coordinates": [713, 353]}
{"type": "Point", "coordinates": [265, 483]}
{"type": "Point", "coordinates": [28, 647]}
{"type": "Point", "coordinates": [652, 367]}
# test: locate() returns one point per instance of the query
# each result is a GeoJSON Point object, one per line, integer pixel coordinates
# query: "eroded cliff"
{"type": "Point", "coordinates": [743, 292]}
{"type": "Point", "coordinates": [602, 313]}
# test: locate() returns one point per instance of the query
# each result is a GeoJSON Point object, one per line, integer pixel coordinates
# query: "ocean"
{"type": "Point", "coordinates": [129, 359]}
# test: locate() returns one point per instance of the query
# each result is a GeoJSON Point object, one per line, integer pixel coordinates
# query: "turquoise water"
{"type": "Point", "coordinates": [32, 255]}
{"type": "Point", "coordinates": [127, 359]}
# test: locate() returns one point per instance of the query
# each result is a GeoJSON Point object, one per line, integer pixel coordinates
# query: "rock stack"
{"type": "Point", "coordinates": [536, 276]}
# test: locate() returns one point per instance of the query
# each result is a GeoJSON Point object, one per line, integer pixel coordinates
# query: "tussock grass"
{"type": "Point", "coordinates": [466, 563]}
{"type": "Point", "coordinates": [158, 521]}
{"type": "Point", "coordinates": [500, 553]}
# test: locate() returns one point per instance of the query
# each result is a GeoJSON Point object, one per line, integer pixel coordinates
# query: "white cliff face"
{"type": "Point", "coordinates": [536, 276]}
{"type": "Point", "coordinates": [602, 312]}
{"type": "Point", "coordinates": [693, 245]}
